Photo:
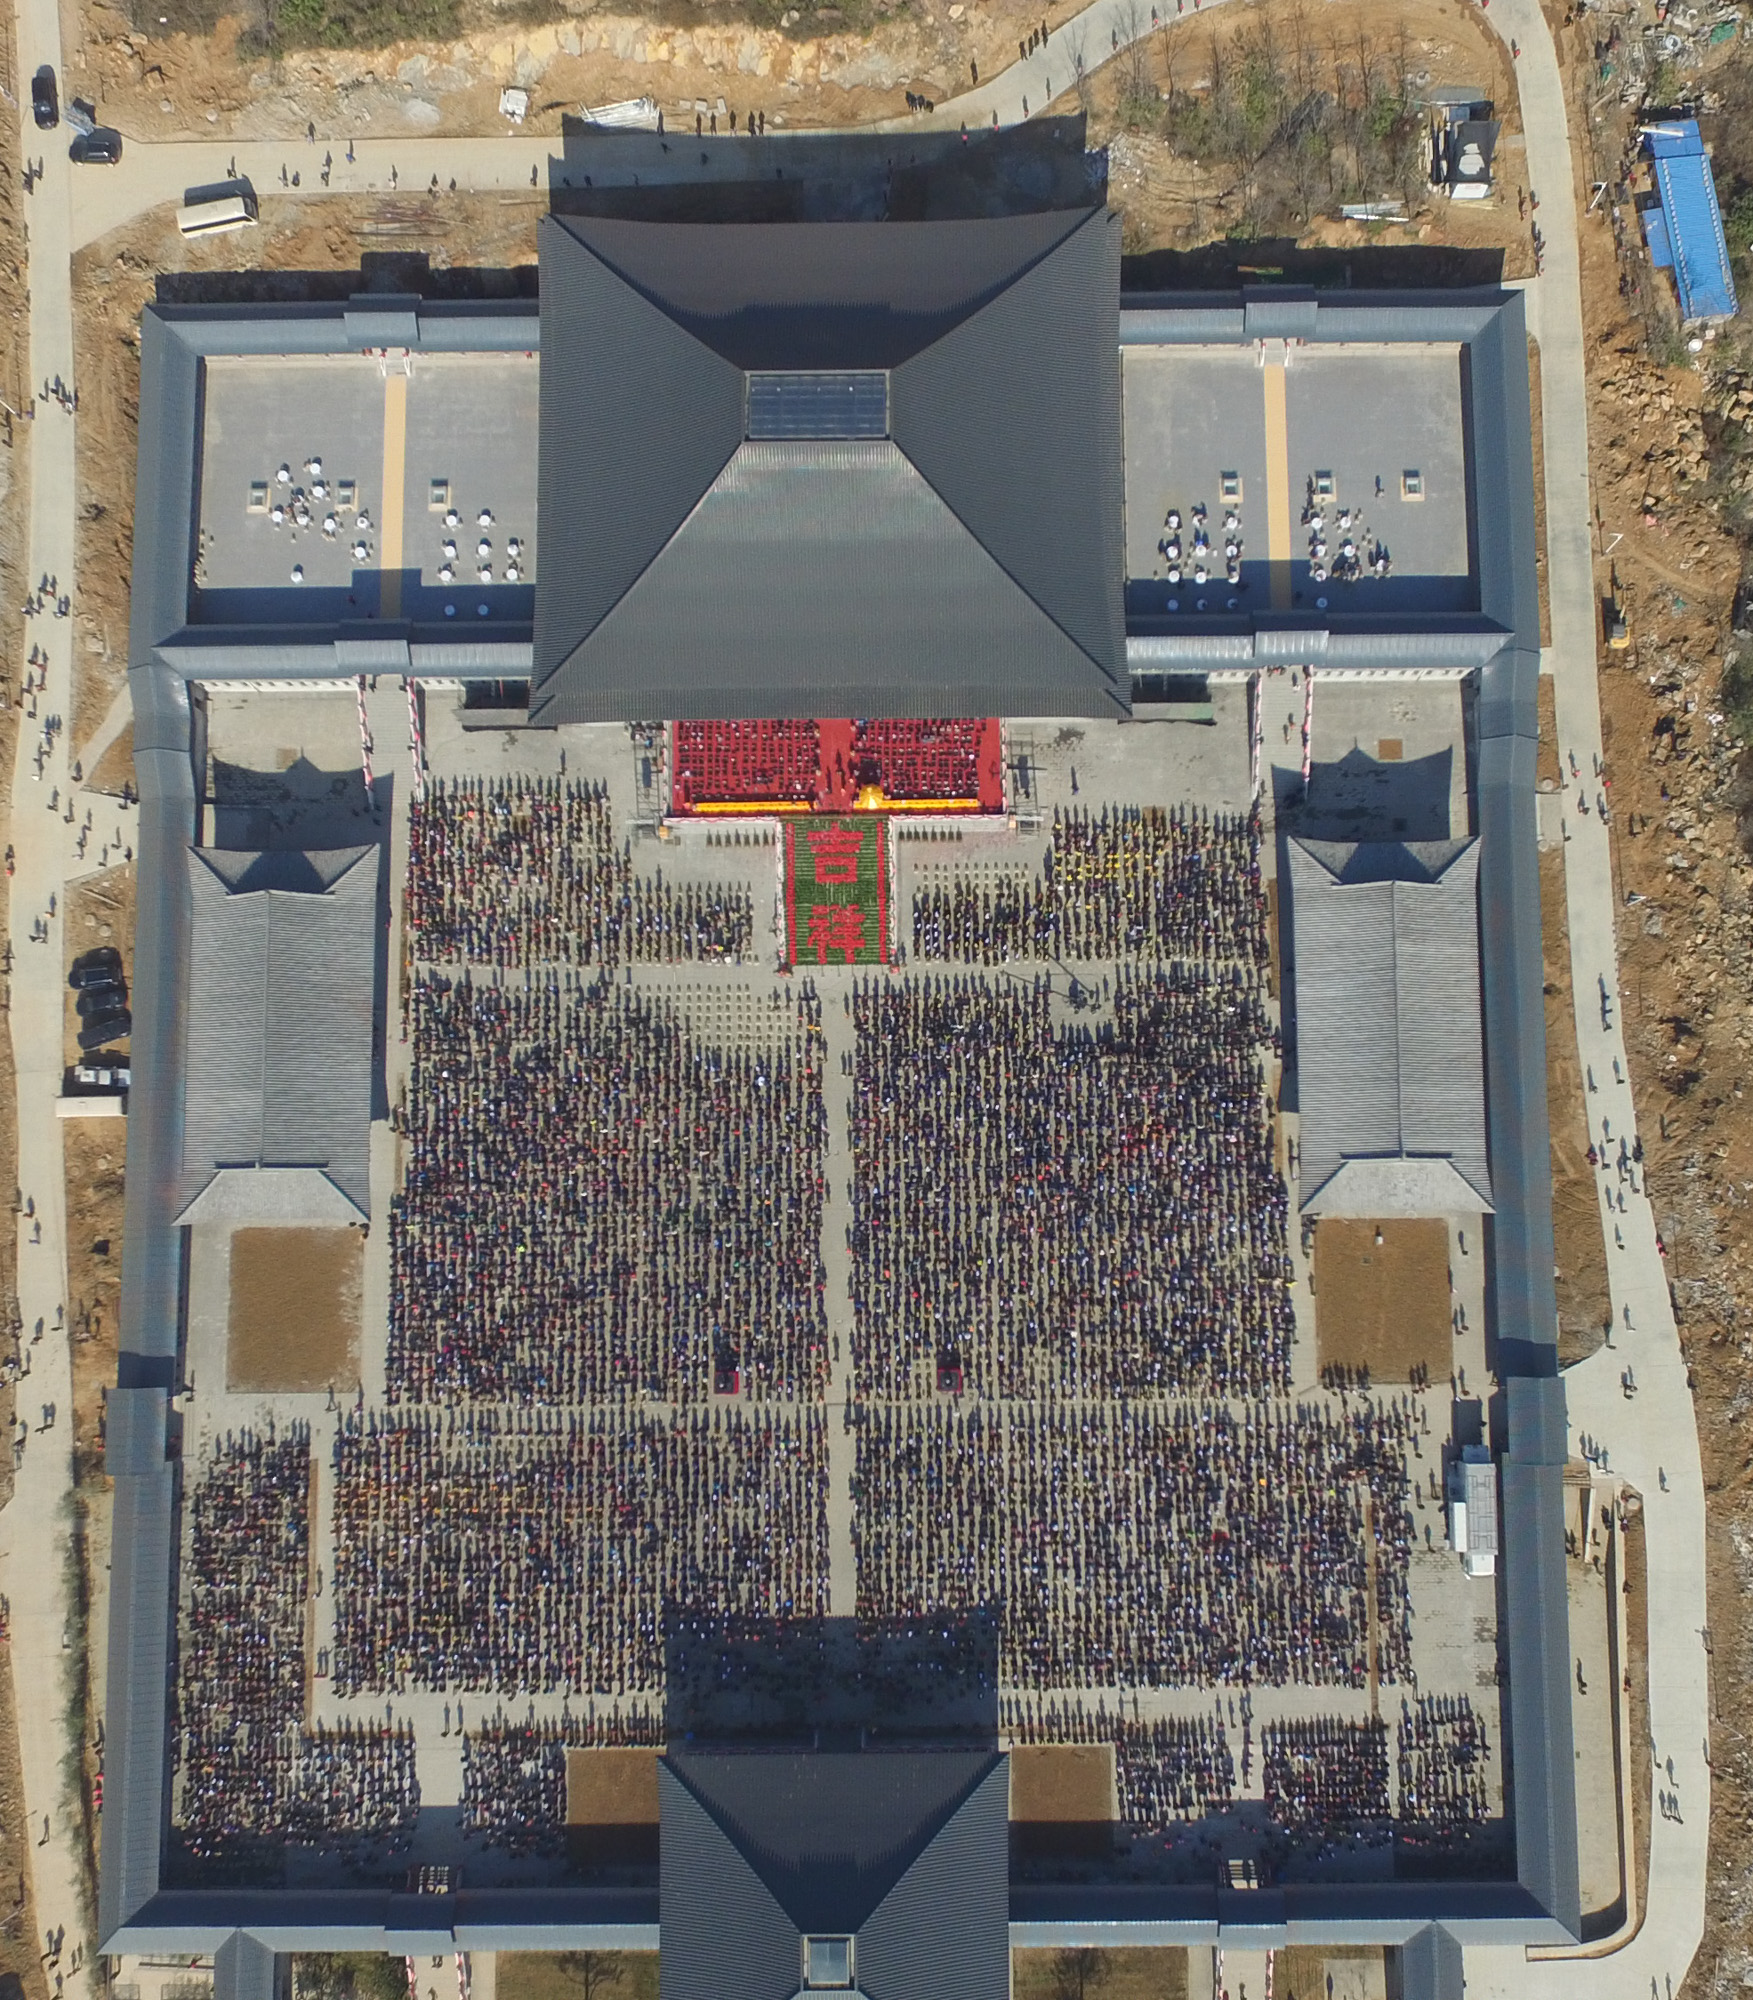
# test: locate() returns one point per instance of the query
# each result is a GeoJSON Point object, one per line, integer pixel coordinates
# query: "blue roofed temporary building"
{"type": "Point", "coordinates": [1655, 236]}
{"type": "Point", "coordinates": [1690, 228]}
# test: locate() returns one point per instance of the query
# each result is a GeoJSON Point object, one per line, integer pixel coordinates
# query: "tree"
{"type": "Point", "coordinates": [349, 1975]}
{"type": "Point", "coordinates": [592, 1975]}
{"type": "Point", "coordinates": [1080, 1973]}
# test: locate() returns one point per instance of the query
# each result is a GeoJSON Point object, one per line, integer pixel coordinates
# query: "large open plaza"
{"type": "Point", "coordinates": [717, 1278]}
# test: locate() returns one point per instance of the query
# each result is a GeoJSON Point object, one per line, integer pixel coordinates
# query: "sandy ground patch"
{"type": "Point", "coordinates": [114, 770]}
{"type": "Point", "coordinates": [611, 1807]}
{"type": "Point", "coordinates": [1062, 1782]}
{"type": "Point", "coordinates": [1316, 1972]}
{"type": "Point", "coordinates": [548, 1975]}
{"type": "Point", "coordinates": [1151, 1974]}
{"type": "Point", "coordinates": [94, 1154]}
{"type": "Point", "coordinates": [611, 1787]}
{"type": "Point", "coordinates": [1382, 1298]}
{"type": "Point", "coordinates": [295, 1305]}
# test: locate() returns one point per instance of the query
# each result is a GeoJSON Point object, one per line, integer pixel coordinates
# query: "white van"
{"type": "Point", "coordinates": [220, 209]}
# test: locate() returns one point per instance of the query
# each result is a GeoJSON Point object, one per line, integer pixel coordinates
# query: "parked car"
{"type": "Point", "coordinates": [102, 148]}
{"type": "Point", "coordinates": [106, 1028]}
{"type": "Point", "coordinates": [45, 100]}
{"type": "Point", "coordinates": [96, 1000]}
{"type": "Point", "coordinates": [101, 966]}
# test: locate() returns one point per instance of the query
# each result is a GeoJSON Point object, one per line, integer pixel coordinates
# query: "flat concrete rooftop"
{"type": "Point", "coordinates": [1266, 431]}
{"type": "Point", "coordinates": [1378, 432]}
{"type": "Point", "coordinates": [402, 445]}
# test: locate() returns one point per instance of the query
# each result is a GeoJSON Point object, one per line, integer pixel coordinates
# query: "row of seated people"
{"type": "Point", "coordinates": [829, 764]}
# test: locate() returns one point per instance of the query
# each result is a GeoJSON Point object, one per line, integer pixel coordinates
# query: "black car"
{"type": "Point", "coordinates": [105, 999]}
{"type": "Point", "coordinates": [101, 148]}
{"type": "Point", "coordinates": [45, 102]}
{"type": "Point", "coordinates": [101, 966]}
{"type": "Point", "coordinates": [106, 1028]}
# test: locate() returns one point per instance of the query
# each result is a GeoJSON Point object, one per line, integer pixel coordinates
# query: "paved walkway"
{"type": "Point", "coordinates": [34, 1527]}
{"type": "Point", "coordinates": [1653, 1441]}
{"type": "Point", "coordinates": [154, 173]}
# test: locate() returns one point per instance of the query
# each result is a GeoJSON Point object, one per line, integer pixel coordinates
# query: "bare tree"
{"type": "Point", "coordinates": [592, 1975]}
{"type": "Point", "coordinates": [1131, 47]}
{"type": "Point", "coordinates": [1080, 1973]}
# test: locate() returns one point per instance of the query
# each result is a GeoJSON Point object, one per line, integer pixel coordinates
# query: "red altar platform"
{"type": "Point", "coordinates": [836, 766]}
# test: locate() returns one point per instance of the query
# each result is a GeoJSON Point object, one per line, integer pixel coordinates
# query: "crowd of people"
{"type": "Point", "coordinates": [526, 871]}
{"type": "Point", "coordinates": [1146, 1545]}
{"type": "Point", "coordinates": [1171, 1769]}
{"type": "Point", "coordinates": [241, 1661]}
{"type": "Point", "coordinates": [1324, 1772]}
{"type": "Point", "coordinates": [514, 1773]}
{"type": "Point", "coordinates": [248, 1776]}
{"type": "Point", "coordinates": [1068, 1216]}
{"type": "Point", "coordinates": [1127, 882]}
{"type": "Point", "coordinates": [356, 1779]}
{"type": "Point", "coordinates": [1445, 1762]}
{"type": "Point", "coordinates": [1061, 1213]}
{"type": "Point", "coordinates": [514, 1784]}
{"type": "Point", "coordinates": [540, 1551]}
{"type": "Point", "coordinates": [599, 1205]}
{"type": "Point", "coordinates": [1167, 1769]}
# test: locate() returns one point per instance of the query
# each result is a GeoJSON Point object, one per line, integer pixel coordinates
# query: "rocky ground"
{"type": "Point", "coordinates": [817, 70]}
{"type": "Point", "coordinates": [1179, 195]}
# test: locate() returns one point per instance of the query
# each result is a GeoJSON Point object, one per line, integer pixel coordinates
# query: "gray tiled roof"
{"type": "Point", "coordinates": [969, 563]}
{"type": "Point", "coordinates": [907, 1853]}
{"type": "Point", "coordinates": [867, 546]}
{"type": "Point", "coordinates": [1389, 1068]}
{"type": "Point", "coordinates": [278, 1052]}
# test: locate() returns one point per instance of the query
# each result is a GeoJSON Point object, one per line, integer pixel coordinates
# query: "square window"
{"type": "Point", "coordinates": [1323, 486]}
{"type": "Point", "coordinates": [438, 496]}
{"type": "Point", "coordinates": [1411, 485]}
{"type": "Point", "coordinates": [827, 1961]}
{"type": "Point", "coordinates": [1230, 485]}
{"type": "Point", "coordinates": [258, 496]}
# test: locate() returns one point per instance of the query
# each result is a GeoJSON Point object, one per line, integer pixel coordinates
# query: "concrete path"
{"type": "Point", "coordinates": [152, 174]}
{"type": "Point", "coordinates": [1029, 85]}
{"type": "Point", "coordinates": [34, 1528]}
{"type": "Point", "coordinates": [1653, 1441]}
